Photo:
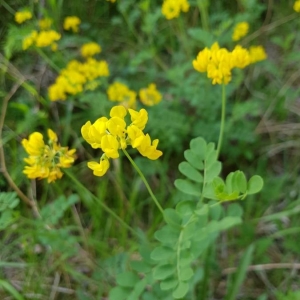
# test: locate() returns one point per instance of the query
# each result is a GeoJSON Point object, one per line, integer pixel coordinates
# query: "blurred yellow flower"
{"type": "Point", "coordinates": [72, 23]}
{"type": "Point", "coordinates": [171, 8]}
{"type": "Point", "coordinates": [45, 23]}
{"type": "Point", "coordinates": [296, 6]}
{"type": "Point", "coordinates": [29, 40]}
{"type": "Point", "coordinates": [46, 38]}
{"type": "Point", "coordinates": [22, 16]}
{"type": "Point", "coordinates": [90, 49]}
{"type": "Point", "coordinates": [111, 135]}
{"type": "Point", "coordinates": [240, 30]}
{"type": "Point", "coordinates": [257, 53]}
{"type": "Point", "coordinates": [150, 95]}
{"type": "Point", "coordinates": [120, 92]}
{"type": "Point", "coordinates": [45, 160]}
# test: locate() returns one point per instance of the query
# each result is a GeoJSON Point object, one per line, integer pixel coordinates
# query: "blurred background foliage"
{"type": "Point", "coordinates": [85, 250]}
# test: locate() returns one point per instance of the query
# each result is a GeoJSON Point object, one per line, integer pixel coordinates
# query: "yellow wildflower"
{"type": "Point", "coordinates": [296, 6]}
{"type": "Point", "coordinates": [171, 8]}
{"type": "Point", "coordinates": [45, 160]}
{"type": "Point", "coordinates": [121, 93]}
{"type": "Point", "coordinates": [22, 16]}
{"type": "Point", "coordinates": [240, 30]}
{"type": "Point", "coordinates": [46, 38]}
{"type": "Point", "coordinates": [72, 23]}
{"type": "Point", "coordinates": [150, 96]}
{"type": "Point", "coordinates": [240, 57]}
{"type": "Point", "coordinates": [90, 49]}
{"type": "Point", "coordinates": [111, 135]}
{"type": "Point", "coordinates": [257, 53]}
{"type": "Point", "coordinates": [45, 23]}
{"type": "Point", "coordinates": [29, 40]}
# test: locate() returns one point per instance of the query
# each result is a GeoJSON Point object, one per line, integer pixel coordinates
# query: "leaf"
{"type": "Point", "coordinates": [186, 274]}
{"type": "Point", "coordinates": [127, 279]}
{"type": "Point", "coordinates": [234, 210]}
{"type": "Point", "coordinates": [162, 253]}
{"type": "Point", "coordinates": [162, 272]}
{"type": "Point", "coordinates": [241, 182]}
{"type": "Point", "coordinates": [11, 290]}
{"type": "Point", "coordinates": [168, 284]}
{"type": "Point", "coordinates": [193, 159]}
{"type": "Point", "coordinates": [167, 234]}
{"type": "Point", "coordinates": [140, 266]}
{"type": "Point", "coordinates": [186, 208]}
{"type": "Point", "coordinates": [172, 218]}
{"type": "Point", "coordinates": [198, 147]}
{"type": "Point", "coordinates": [255, 184]}
{"type": "Point", "coordinates": [8, 200]}
{"type": "Point", "coordinates": [213, 171]}
{"type": "Point", "coordinates": [181, 290]}
{"type": "Point", "coordinates": [201, 35]}
{"type": "Point", "coordinates": [190, 172]}
{"type": "Point", "coordinates": [118, 293]}
{"type": "Point", "coordinates": [240, 274]}
{"type": "Point", "coordinates": [187, 187]}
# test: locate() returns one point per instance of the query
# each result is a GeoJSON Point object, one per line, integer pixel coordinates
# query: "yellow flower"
{"type": "Point", "coordinates": [150, 96]}
{"type": "Point", "coordinates": [257, 53]}
{"type": "Point", "coordinates": [203, 59]}
{"type": "Point", "coordinates": [111, 135]}
{"type": "Point", "coordinates": [121, 93]}
{"type": "Point", "coordinates": [72, 23]}
{"type": "Point", "coordinates": [90, 49]}
{"type": "Point", "coordinates": [240, 57]}
{"type": "Point", "coordinates": [29, 40]}
{"type": "Point", "coordinates": [240, 30]}
{"type": "Point", "coordinates": [45, 23]}
{"type": "Point", "coordinates": [46, 38]}
{"type": "Point", "coordinates": [22, 16]}
{"type": "Point", "coordinates": [171, 8]}
{"type": "Point", "coordinates": [45, 160]}
{"type": "Point", "coordinates": [296, 6]}
{"type": "Point", "coordinates": [101, 168]}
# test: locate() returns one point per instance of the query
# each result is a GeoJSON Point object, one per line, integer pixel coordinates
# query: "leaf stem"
{"type": "Point", "coordinates": [145, 181]}
{"type": "Point", "coordinates": [103, 205]}
{"type": "Point", "coordinates": [222, 119]}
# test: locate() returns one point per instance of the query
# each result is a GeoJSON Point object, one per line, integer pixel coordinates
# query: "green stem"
{"type": "Point", "coordinates": [145, 181]}
{"type": "Point", "coordinates": [47, 59]}
{"type": "Point", "coordinates": [202, 4]}
{"type": "Point", "coordinates": [103, 205]}
{"type": "Point", "coordinates": [222, 119]}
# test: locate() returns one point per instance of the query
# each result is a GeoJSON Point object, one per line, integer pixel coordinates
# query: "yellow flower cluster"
{"type": "Point", "coordinates": [240, 30]}
{"type": "Point", "coordinates": [150, 96]}
{"type": "Point", "coordinates": [45, 23]}
{"type": "Point", "coordinates": [296, 6]}
{"type": "Point", "coordinates": [111, 135]}
{"type": "Point", "coordinates": [90, 49]}
{"type": "Point", "coordinates": [171, 8]}
{"type": "Point", "coordinates": [119, 92]}
{"type": "Point", "coordinates": [40, 39]}
{"type": "Point", "coordinates": [22, 16]}
{"type": "Point", "coordinates": [72, 23]}
{"type": "Point", "coordinates": [219, 62]}
{"type": "Point", "coordinates": [76, 74]}
{"type": "Point", "coordinates": [45, 160]}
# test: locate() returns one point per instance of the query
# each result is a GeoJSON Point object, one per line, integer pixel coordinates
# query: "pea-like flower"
{"type": "Point", "coordinates": [119, 92]}
{"type": "Point", "coordinates": [45, 160]}
{"type": "Point", "coordinates": [296, 6]}
{"type": "Point", "coordinates": [22, 16]}
{"type": "Point", "coordinates": [150, 95]}
{"type": "Point", "coordinates": [240, 30]}
{"type": "Point", "coordinates": [90, 49]}
{"type": "Point", "coordinates": [171, 8]}
{"type": "Point", "coordinates": [113, 134]}
{"type": "Point", "coordinates": [72, 23]}
{"type": "Point", "coordinates": [218, 62]}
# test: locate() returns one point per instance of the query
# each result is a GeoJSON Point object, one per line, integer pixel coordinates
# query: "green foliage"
{"type": "Point", "coordinates": [8, 201]}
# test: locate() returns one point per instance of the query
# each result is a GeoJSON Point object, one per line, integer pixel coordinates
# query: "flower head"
{"type": "Point", "coordinates": [45, 160]}
{"type": "Point", "coordinates": [90, 49]}
{"type": "Point", "coordinates": [45, 23]}
{"type": "Point", "coordinates": [296, 6]}
{"type": "Point", "coordinates": [111, 135]}
{"type": "Point", "coordinates": [240, 30]}
{"type": "Point", "coordinates": [257, 53]}
{"type": "Point", "coordinates": [72, 23]}
{"type": "Point", "coordinates": [120, 92]}
{"type": "Point", "coordinates": [150, 95]}
{"type": "Point", "coordinates": [171, 8]}
{"type": "Point", "coordinates": [22, 16]}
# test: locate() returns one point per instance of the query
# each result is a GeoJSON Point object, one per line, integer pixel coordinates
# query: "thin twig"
{"type": "Point", "coordinates": [264, 267]}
